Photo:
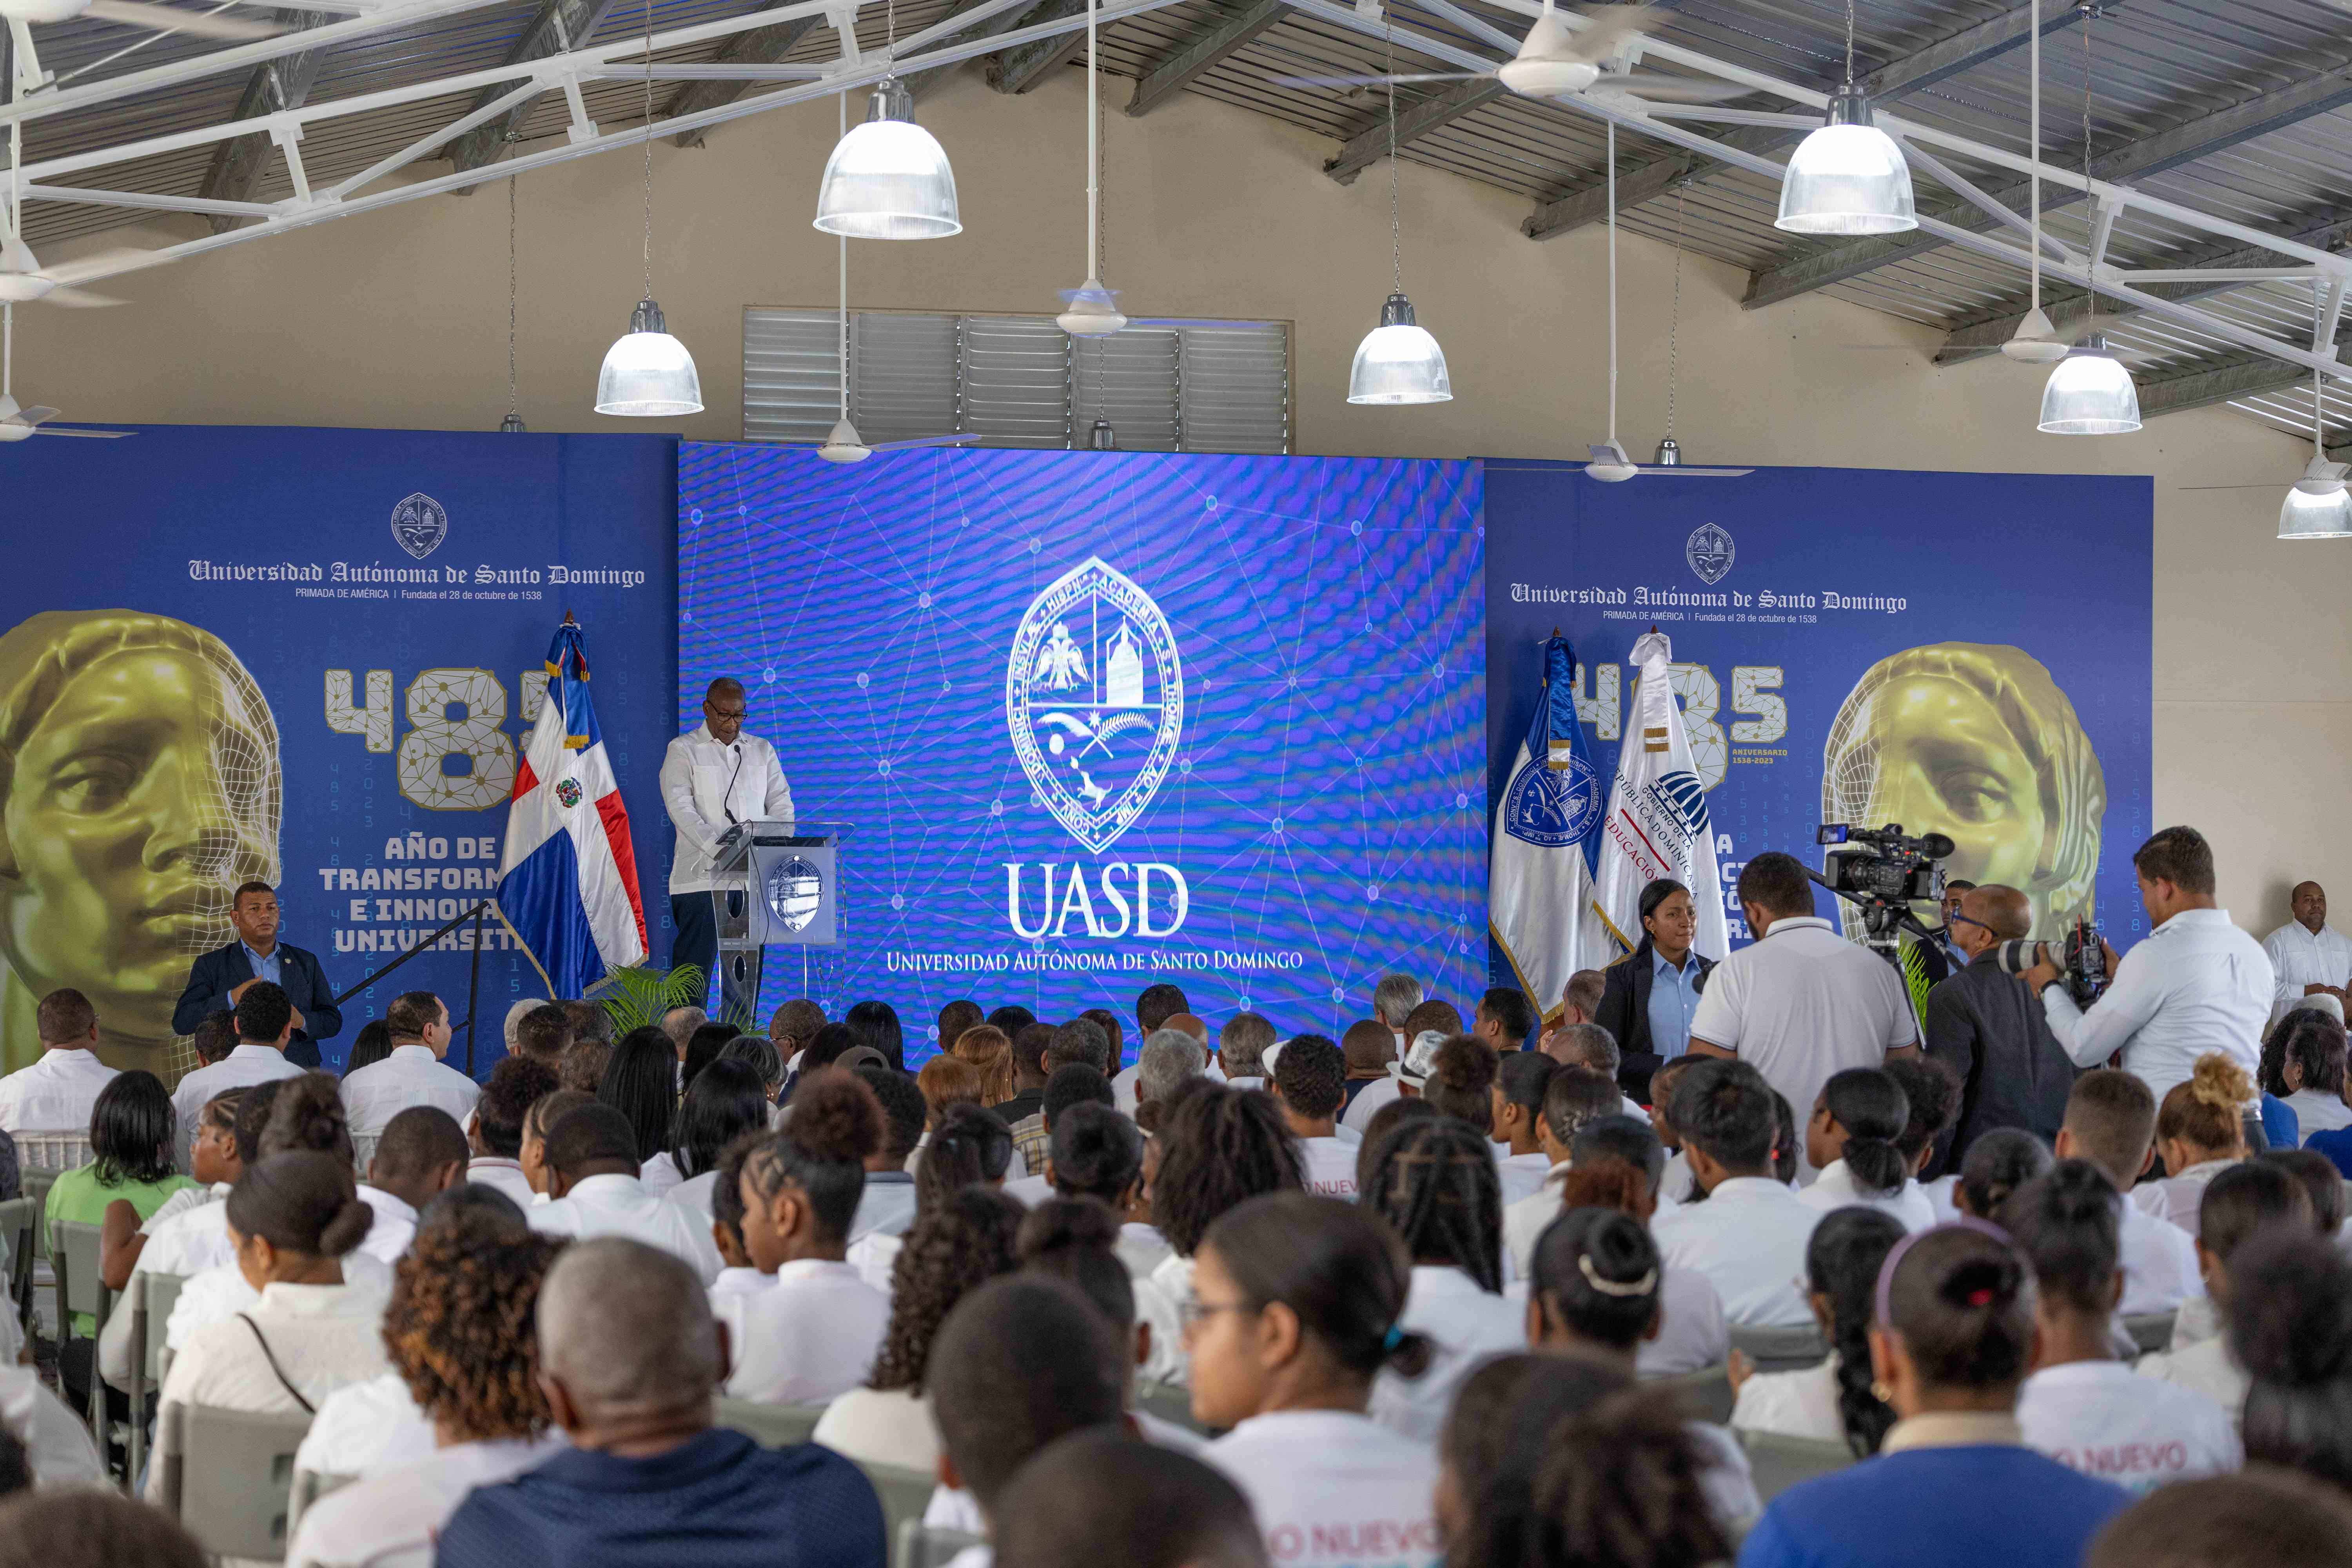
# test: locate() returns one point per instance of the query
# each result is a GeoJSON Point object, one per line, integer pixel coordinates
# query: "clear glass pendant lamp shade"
{"type": "Point", "coordinates": [888, 178]}
{"type": "Point", "coordinates": [1399, 361]}
{"type": "Point", "coordinates": [2319, 506]}
{"type": "Point", "coordinates": [1847, 178]}
{"type": "Point", "coordinates": [2089, 394]}
{"type": "Point", "coordinates": [647, 374]}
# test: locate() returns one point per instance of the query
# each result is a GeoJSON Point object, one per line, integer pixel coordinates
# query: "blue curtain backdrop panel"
{"type": "Point", "coordinates": [1096, 720]}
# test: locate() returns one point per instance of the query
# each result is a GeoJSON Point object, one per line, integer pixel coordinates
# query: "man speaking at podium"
{"type": "Point", "coordinates": [714, 778]}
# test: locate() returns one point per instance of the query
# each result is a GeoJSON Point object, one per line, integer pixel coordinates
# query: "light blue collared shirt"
{"type": "Point", "coordinates": [265, 968]}
{"type": "Point", "coordinates": [1673, 998]}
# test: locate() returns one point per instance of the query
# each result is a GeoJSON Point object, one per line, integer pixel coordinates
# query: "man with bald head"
{"type": "Point", "coordinates": [2309, 957]}
{"type": "Point", "coordinates": [714, 778]}
{"type": "Point", "coordinates": [1989, 1029]}
{"type": "Point", "coordinates": [629, 1357]}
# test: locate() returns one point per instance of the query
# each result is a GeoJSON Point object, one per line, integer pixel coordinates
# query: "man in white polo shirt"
{"type": "Point", "coordinates": [414, 1073]}
{"type": "Point", "coordinates": [56, 1093]}
{"type": "Point", "coordinates": [1800, 1003]}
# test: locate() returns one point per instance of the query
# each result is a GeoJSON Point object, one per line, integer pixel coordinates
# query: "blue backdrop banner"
{"type": "Point", "coordinates": [1100, 720]}
{"type": "Point", "coordinates": [1960, 653]}
{"type": "Point", "coordinates": [306, 657]}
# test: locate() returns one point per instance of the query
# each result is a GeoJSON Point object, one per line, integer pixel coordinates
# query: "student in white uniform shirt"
{"type": "Point", "coordinates": [593, 1190]}
{"type": "Point", "coordinates": [1851, 1141]}
{"type": "Point", "coordinates": [2082, 1406]}
{"type": "Point", "coordinates": [1574, 1099]}
{"type": "Point", "coordinates": [641, 1083]}
{"type": "Point", "coordinates": [545, 1113]}
{"type": "Point", "coordinates": [421, 1154]}
{"type": "Point", "coordinates": [813, 1334]}
{"type": "Point", "coordinates": [57, 1092]}
{"type": "Point", "coordinates": [969, 1146]}
{"type": "Point", "coordinates": [888, 1205]}
{"type": "Point", "coordinates": [1308, 1078]}
{"type": "Point", "coordinates": [739, 1273]}
{"type": "Point", "coordinates": [1370, 1049]}
{"type": "Point", "coordinates": [1097, 1153]}
{"type": "Point", "coordinates": [2241, 1204]}
{"type": "Point", "coordinates": [495, 1134]}
{"type": "Point", "coordinates": [1692, 1334]}
{"type": "Point", "coordinates": [1677, 1185]}
{"type": "Point", "coordinates": [415, 1073]}
{"type": "Point", "coordinates": [1833, 1401]}
{"type": "Point", "coordinates": [2111, 1122]}
{"type": "Point", "coordinates": [1433, 1181]}
{"type": "Point", "coordinates": [2310, 1046]}
{"type": "Point", "coordinates": [1070, 1084]}
{"type": "Point", "coordinates": [725, 1101]}
{"type": "Point", "coordinates": [265, 1023]}
{"type": "Point", "coordinates": [1748, 1235]}
{"type": "Point", "coordinates": [2308, 956]}
{"type": "Point", "coordinates": [1099, 1497]}
{"type": "Point", "coordinates": [1297, 1306]}
{"type": "Point", "coordinates": [459, 1330]}
{"type": "Point", "coordinates": [1515, 1123]}
{"type": "Point", "coordinates": [2200, 1131]}
{"type": "Point", "coordinates": [1154, 1009]}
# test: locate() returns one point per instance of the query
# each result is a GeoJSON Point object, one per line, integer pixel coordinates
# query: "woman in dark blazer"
{"type": "Point", "coordinates": [1669, 921]}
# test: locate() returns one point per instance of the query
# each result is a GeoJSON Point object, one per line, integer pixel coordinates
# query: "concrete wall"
{"type": "Point", "coordinates": [397, 319]}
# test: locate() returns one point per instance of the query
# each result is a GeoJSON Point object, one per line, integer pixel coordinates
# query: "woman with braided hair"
{"type": "Point", "coordinates": [461, 1334]}
{"type": "Point", "coordinates": [1833, 1401]}
{"type": "Point", "coordinates": [1435, 1182]}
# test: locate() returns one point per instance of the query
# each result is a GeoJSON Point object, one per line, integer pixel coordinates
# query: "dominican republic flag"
{"type": "Point", "coordinates": [1657, 823]}
{"type": "Point", "coordinates": [568, 883]}
{"type": "Point", "coordinates": [1546, 828]}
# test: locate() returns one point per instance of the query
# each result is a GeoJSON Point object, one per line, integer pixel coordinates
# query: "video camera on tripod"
{"type": "Point", "coordinates": [1886, 875]}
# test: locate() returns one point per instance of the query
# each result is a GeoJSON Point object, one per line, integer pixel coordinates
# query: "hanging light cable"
{"type": "Point", "coordinates": [2036, 341]}
{"type": "Point", "coordinates": [888, 178]}
{"type": "Point", "coordinates": [1398, 361]}
{"type": "Point", "coordinates": [647, 374]}
{"type": "Point", "coordinates": [2319, 506]}
{"type": "Point", "coordinates": [1848, 178]}
{"type": "Point", "coordinates": [2089, 392]}
{"type": "Point", "coordinates": [512, 423]}
{"type": "Point", "coordinates": [1670, 454]}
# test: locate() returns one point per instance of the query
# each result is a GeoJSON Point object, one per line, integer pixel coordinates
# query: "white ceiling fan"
{"type": "Point", "coordinates": [154, 18]}
{"type": "Point", "coordinates": [1610, 464]}
{"type": "Point", "coordinates": [1555, 60]}
{"type": "Point", "coordinates": [24, 424]}
{"type": "Point", "coordinates": [24, 281]}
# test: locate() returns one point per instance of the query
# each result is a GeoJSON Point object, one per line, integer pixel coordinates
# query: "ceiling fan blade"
{"type": "Point", "coordinates": [1682, 471]}
{"type": "Point", "coordinates": [2269, 486]}
{"type": "Point", "coordinates": [112, 263]}
{"type": "Point", "coordinates": [921, 441]}
{"type": "Point", "coordinates": [1171, 322]}
{"type": "Point", "coordinates": [35, 415]}
{"type": "Point", "coordinates": [77, 300]}
{"type": "Point", "coordinates": [1607, 29]}
{"type": "Point", "coordinates": [85, 435]}
{"type": "Point", "coordinates": [1377, 80]}
{"type": "Point", "coordinates": [1674, 89]}
{"type": "Point", "coordinates": [171, 19]}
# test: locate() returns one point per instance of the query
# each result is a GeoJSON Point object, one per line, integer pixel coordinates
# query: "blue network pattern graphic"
{"type": "Point", "coordinates": [1258, 679]}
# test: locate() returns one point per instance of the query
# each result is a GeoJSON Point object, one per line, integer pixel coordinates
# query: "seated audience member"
{"type": "Point", "coordinates": [1170, 1059]}
{"type": "Point", "coordinates": [1851, 1141]}
{"type": "Point", "coordinates": [1749, 1237]}
{"type": "Point", "coordinates": [678, 1026]}
{"type": "Point", "coordinates": [1954, 1480]}
{"type": "Point", "coordinates": [1836, 1401]}
{"type": "Point", "coordinates": [990, 1054]}
{"type": "Point", "coordinates": [887, 1205]}
{"type": "Point", "coordinates": [1370, 1049]}
{"type": "Point", "coordinates": [758, 1053]}
{"type": "Point", "coordinates": [641, 1084]}
{"type": "Point", "coordinates": [265, 1024]}
{"type": "Point", "coordinates": [421, 1155]}
{"type": "Point", "coordinates": [1024, 1113]}
{"type": "Point", "coordinates": [703, 1048]}
{"type": "Point", "coordinates": [954, 1018]}
{"type": "Point", "coordinates": [1076, 1084]}
{"type": "Point", "coordinates": [91, 1529]}
{"type": "Point", "coordinates": [1308, 1073]}
{"type": "Point", "coordinates": [2111, 1122]}
{"type": "Point", "coordinates": [1589, 1045]}
{"type": "Point", "coordinates": [130, 1144]}
{"type": "Point", "coordinates": [1432, 1017]}
{"type": "Point", "coordinates": [2257, 1519]}
{"type": "Point", "coordinates": [629, 1357]}
{"type": "Point", "coordinates": [1020, 1361]}
{"type": "Point", "coordinates": [1099, 1496]}
{"type": "Point", "coordinates": [1579, 1003]}
{"type": "Point", "coordinates": [1594, 1294]}
{"type": "Point", "coordinates": [876, 1025]}
{"type": "Point", "coordinates": [813, 1334]}
{"type": "Point", "coordinates": [1388, 1118]}
{"type": "Point", "coordinates": [2200, 1131]}
{"type": "Point", "coordinates": [1154, 1009]}
{"type": "Point", "coordinates": [1503, 1019]}
{"type": "Point", "coordinates": [1219, 1147]}
{"type": "Point", "coordinates": [723, 1101]}
{"type": "Point", "coordinates": [1933, 1093]}
{"type": "Point", "coordinates": [1692, 1334]}
{"type": "Point", "coordinates": [1298, 1307]}
{"type": "Point", "coordinates": [1434, 1183]}
{"type": "Point", "coordinates": [1092, 1039]}
{"type": "Point", "coordinates": [1677, 1185]}
{"type": "Point", "coordinates": [589, 1022]}
{"type": "Point", "coordinates": [42, 1443]}
{"type": "Point", "coordinates": [1394, 997]}
{"type": "Point", "coordinates": [174, 1239]}
{"type": "Point", "coordinates": [547, 1030]}
{"type": "Point", "coordinates": [2291, 1329]}
{"type": "Point", "coordinates": [293, 1218]}
{"type": "Point", "coordinates": [1075, 1239]}
{"type": "Point", "coordinates": [516, 1012]}
{"type": "Point", "coordinates": [57, 1092]}
{"type": "Point", "coordinates": [2241, 1202]}
{"type": "Point", "coordinates": [794, 1028]}
{"type": "Point", "coordinates": [1574, 1099]}
{"type": "Point", "coordinates": [584, 1064]}
{"type": "Point", "coordinates": [971, 1145]}
{"type": "Point", "coordinates": [1516, 1128]}
{"type": "Point", "coordinates": [411, 1072]}
{"type": "Point", "coordinates": [1099, 1154]}
{"type": "Point", "coordinates": [2310, 1045]}
{"type": "Point", "coordinates": [545, 1113]}
{"type": "Point", "coordinates": [496, 1135]}
{"type": "Point", "coordinates": [957, 1245]}
{"type": "Point", "coordinates": [2320, 1183]}
{"type": "Point", "coordinates": [739, 1274]}
{"type": "Point", "coordinates": [594, 1189]}
{"type": "Point", "coordinates": [2082, 1406]}
{"type": "Point", "coordinates": [1515, 1459]}
{"type": "Point", "coordinates": [2012, 1158]}
{"type": "Point", "coordinates": [458, 1329]}
{"type": "Point", "coordinates": [945, 1083]}
{"type": "Point", "coordinates": [1241, 1049]}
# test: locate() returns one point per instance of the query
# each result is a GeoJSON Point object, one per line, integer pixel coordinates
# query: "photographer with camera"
{"type": "Point", "coordinates": [1800, 1003]}
{"type": "Point", "coordinates": [2196, 983]}
{"type": "Point", "coordinates": [1990, 1030]}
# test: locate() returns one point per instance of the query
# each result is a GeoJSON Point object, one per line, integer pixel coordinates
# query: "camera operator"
{"type": "Point", "coordinates": [1985, 1025]}
{"type": "Point", "coordinates": [1800, 1003]}
{"type": "Point", "coordinates": [2197, 983]}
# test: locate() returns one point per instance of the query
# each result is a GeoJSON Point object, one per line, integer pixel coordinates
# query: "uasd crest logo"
{"type": "Point", "coordinates": [1710, 552]}
{"type": "Point", "coordinates": [1553, 805]}
{"type": "Point", "coordinates": [419, 524]}
{"type": "Point", "coordinates": [795, 889]}
{"type": "Point", "coordinates": [1094, 696]}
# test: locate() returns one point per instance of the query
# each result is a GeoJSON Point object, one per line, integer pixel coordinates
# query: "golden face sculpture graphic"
{"type": "Point", "coordinates": [1977, 741]}
{"type": "Point", "coordinates": [138, 785]}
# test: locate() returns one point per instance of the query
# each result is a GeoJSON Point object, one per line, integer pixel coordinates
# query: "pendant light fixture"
{"type": "Point", "coordinates": [647, 374]}
{"type": "Point", "coordinates": [512, 423]}
{"type": "Point", "coordinates": [2036, 341]}
{"type": "Point", "coordinates": [888, 178]}
{"type": "Point", "coordinates": [2320, 505]}
{"type": "Point", "coordinates": [2089, 392]}
{"type": "Point", "coordinates": [1398, 361]}
{"type": "Point", "coordinates": [1848, 177]}
{"type": "Point", "coordinates": [1092, 311]}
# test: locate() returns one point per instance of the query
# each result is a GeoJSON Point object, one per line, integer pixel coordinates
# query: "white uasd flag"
{"type": "Point", "coordinates": [1539, 879]}
{"type": "Point", "coordinates": [1657, 823]}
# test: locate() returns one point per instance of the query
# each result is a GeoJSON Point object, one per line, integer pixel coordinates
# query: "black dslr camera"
{"type": "Point", "coordinates": [2081, 960]}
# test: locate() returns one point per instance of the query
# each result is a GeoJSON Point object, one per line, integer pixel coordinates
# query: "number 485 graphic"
{"type": "Point", "coordinates": [456, 755]}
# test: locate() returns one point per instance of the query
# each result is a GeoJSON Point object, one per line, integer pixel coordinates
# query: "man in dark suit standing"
{"type": "Point", "coordinates": [219, 978]}
{"type": "Point", "coordinates": [1987, 1027]}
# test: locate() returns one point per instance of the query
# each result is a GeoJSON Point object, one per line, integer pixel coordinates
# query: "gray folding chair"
{"type": "Point", "coordinates": [153, 1297]}
{"type": "Point", "coordinates": [1780, 1350]}
{"type": "Point", "coordinates": [1779, 1463]}
{"type": "Point", "coordinates": [770, 1426]}
{"type": "Point", "coordinates": [60, 1149]}
{"type": "Point", "coordinates": [1706, 1393]}
{"type": "Point", "coordinates": [1171, 1402]}
{"type": "Point", "coordinates": [240, 1501]}
{"type": "Point", "coordinates": [922, 1545]}
{"type": "Point", "coordinates": [2150, 1331]}
{"type": "Point", "coordinates": [73, 1256]}
{"type": "Point", "coordinates": [310, 1486]}
{"type": "Point", "coordinates": [20, 1220]}
{"type": "Point", "coordinates": [905, 1495]}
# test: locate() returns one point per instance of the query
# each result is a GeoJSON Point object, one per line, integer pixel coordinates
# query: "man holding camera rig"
{"type": "Point", "coordinates": [1991, 1031]}
{"type": "Point", "coordinates": [2197, 983]}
